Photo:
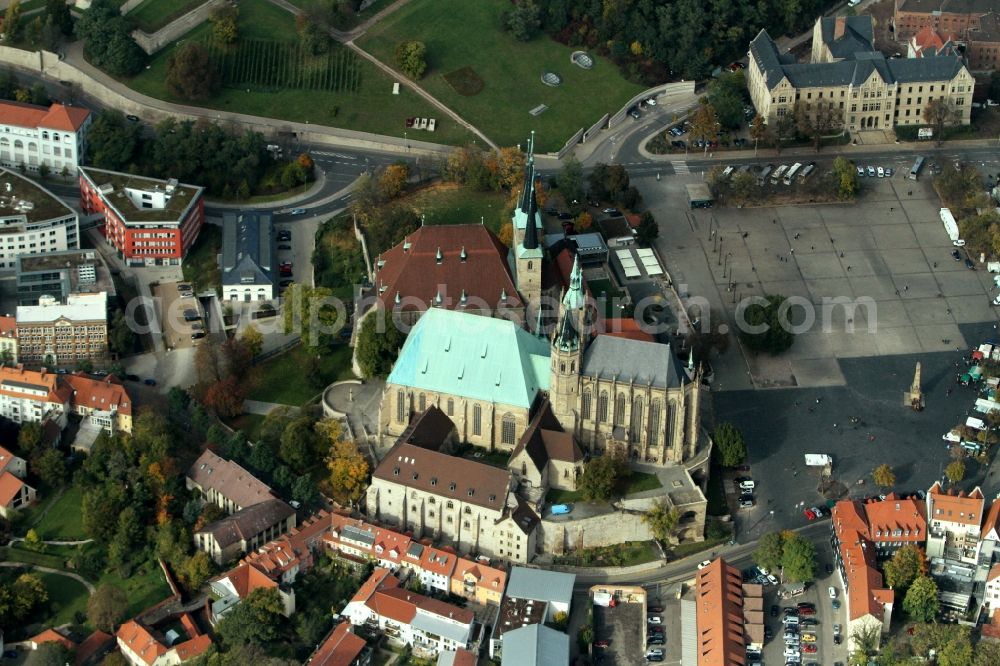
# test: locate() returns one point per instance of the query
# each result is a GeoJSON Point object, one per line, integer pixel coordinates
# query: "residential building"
{"type": "Point", "coordinates": [8, 339]}
{"type": "Point", "coordinates": [991, 593]}
{"type": "Point", "coordinates": [535, 645]}
{"type": "Point", "coordinates": [719, 615]}
{"type": "Point", "coordinates": [225, 483]}
{"type": "Point", "coordinates": [249, 259]}
{"type": "Point", "coordinates": [245, 530]}
{"type": "Point", "coordinates": [13, 464]}
{"type": "Point", "coordinates": [33, 220]}
{"type": "Point", "coordinates": [59, 274]}
{"type": "Point", "coordinates": [427, 625]}
{"type": "Point", "coordinates": [292, 554]}
{"type": "Point", "coordinates": [457, 658]}
{"type": "Point", "coordinates": [150, 222]}
{"type": "Point", "coordinates": [236, 584]}
{"type": "Point", "coordinates": [929, 43]}
{"type": "Point", "coordinates": [103, 403]}
{"type": "Point", "coordinates": [145, 645]}
{"type": "Point", "coordinates": [533, 597]}
{"type": "Point", "coordinates": [35, 136]}
{"type": "Point", "coordinates": [973, 23]}
{"type": "Point", "coordinates": [850, 85]}
{"type": "Point", "coordinates": [52, 333]}
{"type": "Point", "coordinates": [955, 520]}
{"type": "Point", "coordinates": [32, 396]}
{"type": "Point", "coordinates": [462, 502]}
{"type": "Point", "coordinates": [342, 647]}
{"type": "Point", "coordinates": [989, 535]}
{"type": "Point", "coordinates": [869, 603]}
{"type": "Point", "coordinates": [456, 267]}
{"type": "Point", "coordinates": [14, 494]}
{"type": "Point", "coordinates": [50, 636]}
{"type": "Point", "coordinates": [477, 581]}
{"type": "Point", "coordinates": [433, 567]}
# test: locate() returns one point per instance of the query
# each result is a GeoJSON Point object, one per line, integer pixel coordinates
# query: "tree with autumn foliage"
{"type": "Point", "coordinates": [348, 470]}
{"type": "Point", "coordinates": [584, 221]}
{"type": "Point", "coordinates": [510, 168]}
{"type": "Point", "coordinates": [225, 397]}
{"type": "Point", "coordinates": [506, 234]}
{"type": "Point", "coordinates": [392, 181]}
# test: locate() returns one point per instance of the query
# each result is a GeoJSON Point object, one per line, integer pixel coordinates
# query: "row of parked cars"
{"type": "Point", "coordinates": [874, 171]}
{"type": "Point", "coordinates": [799, 632]}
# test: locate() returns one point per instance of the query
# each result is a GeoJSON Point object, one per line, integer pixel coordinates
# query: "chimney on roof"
{"type": "Point", "coordinates": [839, 27]}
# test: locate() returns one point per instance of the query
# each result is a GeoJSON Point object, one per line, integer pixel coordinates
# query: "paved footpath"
{"type": "Point", "coordinates": [87, 584]}
{"type": "Point", "coordinates": [262, 408]}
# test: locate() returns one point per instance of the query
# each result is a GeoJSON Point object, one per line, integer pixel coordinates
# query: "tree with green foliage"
{"type": "Point", "coordinates": [522, 20]}
{"type": "Point", "coordinates": [107, 38]}
{"type": "Point", "coordinates": [52, 653]}
{"type": "Point", "coordinates": [50, 467]}
{"type": "Point", "coordinates": [569, 180]}
{"type": "Point", "coordinates": [798, 558]}
{"type": "Point", "coordinates": [297, 443]}
{"type": "Point", "coordinates": [112, 141]}
{"type": "Point", "coordinates": [106, 608]}
{"type": "Point", "coordinates": [378, 344]}
{"type": "Point", "coordinates": [758, 131]}
{"type": "Point", "coordinates": [311, 312]}
{"type": "Point", "coordinates": [921, 600]}
{"type": "Point", "coordinates": [781, 129]}
{"type": "Point", "coordinates": [661, 520]}
{"type": "Point", "coordinates": [253, 339]}
{"type": "Point", "coordinates": [29, 437]}
{"type": "Point", "coordinates": [730, 449]}
{"type": "Point", "coordinates": [769, 550]}
{"type": "Point", "coordinates": [765, 325]}
{"type": "Point", "coordinates": [866, 638]}
{"type": "Point", "coordinates": [728, 95]}
{"type": "Point", "coordinates": [939, 114]}
{"type": "Point", "coordinates": [601, 475]}
{"type": "Point", "coordinates": [906, 565]}
{"type": "Point", "coordinates": [955, 471]}
{"type": "Point", "coordinates": [411, 58]}
{"type": "Point", "coordinates": [257, 619]}
{"type": "Point", "coordinates": [648, 230]}
{"type": "Point", "coordinates": [847, 178]}
{"type": "Point", "coordinates": [33, 542]}
{"type": "Point", "coordinates": [58, 11]}
{"type": "Point", "coordinates": [191, 73]}
{"type": "Point", "coordinates": [883, 476]}
{"type": "Point", "coordinates": [313, 27]}
{"type": "Point", "coordinates": [817, 120]}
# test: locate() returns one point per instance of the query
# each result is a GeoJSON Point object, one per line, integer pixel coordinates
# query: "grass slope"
{"type": "Point", "coordinates": [283, 379]}
{"type": "Point", "coordinates": [151, 15]}
{"type": "Point", "coordinates": [373, 108]}
{"type": "Point", "coordinates": [460, 34]}
{"type": "Point", "coordinates": [449, 203]}
{"type": "Point", "coordinates": [63, 522]}
{"type": "Point", "coordinates": [67, 596]}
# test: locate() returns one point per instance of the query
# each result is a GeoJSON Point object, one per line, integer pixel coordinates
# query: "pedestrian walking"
{"type": "Point", "coordinates": [841, 255]}
{"type": "Point", "coordinates": [891, 208]}
{"type": "Point", "coordinates": [906, 288]}
{"type": "Point", "coordinates": [848, 269]}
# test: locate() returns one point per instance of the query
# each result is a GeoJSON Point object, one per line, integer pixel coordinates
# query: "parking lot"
{"type": "Point", "coordinates": [177, 332]}
{"type": "Point", "coordinates": [827, 652]}
{"type": "Point", "coordinates": [623, 626]}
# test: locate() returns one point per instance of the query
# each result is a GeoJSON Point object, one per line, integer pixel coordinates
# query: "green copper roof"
{"type": "Point", "coordinates": [475, 357]}
{"type": "Point", "coordinates": [574, 298]}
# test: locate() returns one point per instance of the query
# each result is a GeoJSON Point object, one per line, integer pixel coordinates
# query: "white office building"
{"type": "Point", "coordinates": [33, 220]}
{"type": "Point", "coordinates": [35, 135]}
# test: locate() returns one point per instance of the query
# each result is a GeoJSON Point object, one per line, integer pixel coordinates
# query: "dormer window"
{"type": "Point", "coordinates": [395, 471]}
{"type": "Point", "coordinates": [434, 481]}
{"type": "Point", "coordinates": [472, 491]}
{"type": "Point", "coordinates": [451, 486]}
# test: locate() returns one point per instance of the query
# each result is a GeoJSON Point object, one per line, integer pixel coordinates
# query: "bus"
{"type": "Point", "coordinates": [778, 174]}
{"type": "Point", "coordinates": [791, 173]}
{"type": "Point", "coordinates": [916, 168]}
{"type": "Point", "coordinates": [807, 170]}
{"type": "Point", "coordinates": [765, 174]}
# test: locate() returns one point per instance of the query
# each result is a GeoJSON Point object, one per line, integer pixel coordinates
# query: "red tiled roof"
{"type": "Point", "coordinates": [992, 520]}
{"type": "Point", "coordinates": [57, 116]}
{"type": "Point", "coordinates": [411, 269]}
{"type": "Point", "coordinates": [486, 577]}
{"type": "Point", "coordinates": [626, 327]}
{"type": "Point", "coordinates": [195, 647]}
{"type": "Point", "coordinates": [5, 458]}
{"type": "Point", "coordinates": [380, 578]}
{"type": "Point", "coordinates": [10, 486]}
{"type": "Point", "coordinates": [52, 636]}
{"type": "Point", "coordinates": [340, 648]}
{"type": "Point", "coordinates": [246, 578]}
{"type": "Point", "coordinates": [10, 376]}
{"type": "Point", "coordinates": [991, 629]}
{"type": "Point", "coordinates": [442, 609]}
{"type": "Point", "coordinates": [463, 658]}
{"type": "Point", "coordinates": [394, 603]}
{"type": "Point", "coordinates": [8, 326]}
{"type": "Point", "coordinates": [93, 644]}
{"type": "Point", "coordinates": [390, 545]}
{"type": "Point", "coordinates": [994, 572]}
{"type": "Point", "coordinates": [894, 514]}
{"type": "Point", "coordinates": [865, 590]}
{"type": "Point", "coordinates": [719, 613]}
{"type": "Point", "coordinates": [139, 640]}
{"type": "Point", "coordinates": [100, 394]}
{"type": "Point", "coordinates": [438, 561]}
{"type": "Point", "coordinates": [956, 508]}
{"type": "Point", "coordinates": [230, 480]}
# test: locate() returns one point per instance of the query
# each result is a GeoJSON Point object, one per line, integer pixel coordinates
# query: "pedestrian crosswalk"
{"type": "Point", "coordinates": [330, 154]}
{"type": "Point", "coordinates": [680, 167]}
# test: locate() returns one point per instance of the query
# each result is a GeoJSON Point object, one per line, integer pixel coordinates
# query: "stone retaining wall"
{"type": "Point", "coordinates": [608, 529]}
{"type": "Point", "coordinates": [151, 43]}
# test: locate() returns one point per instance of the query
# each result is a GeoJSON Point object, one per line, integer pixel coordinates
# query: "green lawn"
{"type": "Point", "coordinates": [348, 21]}
{"type": "Point", "coordinates": [626, 554]}
{"type": "Point", "coordinates": [372, 108]}
{"type": "Point", "coordinates": [63, 522]}
{"type": "Point", "coordinates": [557, 496]}
{"type": "Point", "coordinates": [454, 204]}
{"type": "Point", "coordinates": [283, 379]}
{"type": "Point", "coordinates": [17, 553]}
{"type": "Point", "coordinates": [604, 290]}
{"type": "Point", "coordinates": [337, 261]}
{"type": "Point", "coordinates": [141, 590]}
{"type": "Point", "coordinates": [201, 265]}
{"type": "Point", "coordinates": [638, 482]}
{"type": "Point", "coordinates": [66, 597]}
{"type": "Point", "coordinates": [249, 424]}
{"type": "Point", "coordinates": [716, 495]}
{"type": "Point", "coordinates": [151, 15]}
{"type": "Point", "coordinates": [510, 71]}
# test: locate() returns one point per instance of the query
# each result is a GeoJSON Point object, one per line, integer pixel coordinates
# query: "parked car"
{"type": "Point", "coordinates": [774, 610]}
{"type": "Point", "coordinates": [809, 649]}
{"type": "Point", "coordinates": [880, 171]}
{"type": "Point", "coordinates": [561, 509]}
{"type": "Point", "coordinates": [955, 255]}
{"type": "Point", "coordinates": [704, 564]}
{"type": "Point", "coordinates": [968, 264]}
{"type": "Point", "coordinates": [284, 235]}
{"type": "Point", "coordinates": [807, 611]}
{"type": "Point", "coordinates": [133, 119]}
{"type": "Point", "coordinates": [836, 604]}
{"type": "Point", "coordinates": [833, 592]}
{"type": "Point", "coordinates": [150, 382]}
{"type": "Point", "coordinates": [829, 568]}
{"type": "Point", "coordinates": [654, 619]}
{"type": "Point", "coordinates": [655, 609]}
{"type": "Point", "coordinates": [634, 112]}
{"type": "Point", "coordinates": [284, 246]}
{"type": "Point", "coordinates": [613, 212]}
{"type": "Point", "coordinates": [132, 378]}
{"type": "Point", "coordinates": [746, 503]}
{"type": "Point", "coordinates": [861, 172]}
{"type": "Point", "coordinates": [745, 483]}
{"type": "Point", "coordinates": [871, 171]}
{"type": "Point", "coordinates": [603, 643]}
{"type": "Point", "coordinates": [808, 638]}
{"type": "Point", "coordinates": [198, 335]}
{"type": "Point", "coordinates": [809, 514]}
{"type": "Point", "coordinates": [298, 211]}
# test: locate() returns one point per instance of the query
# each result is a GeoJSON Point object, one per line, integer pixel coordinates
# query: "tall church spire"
{"type": "Point", "coordinates": [529, 203]}
{"type": "Point", "coordinates": [574, 297]}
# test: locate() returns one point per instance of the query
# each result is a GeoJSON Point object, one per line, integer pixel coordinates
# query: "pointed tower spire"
{"type": "Point", "coordinates": [539, 331]}
{"type": "Point", "coordinates": [463, 256]}
{"type": "Point", "coordinates": [691, 359]}
{"type": "Point", "coordinates": [574, 298]}
{"type": "Point", "coordinates": [439, 256]}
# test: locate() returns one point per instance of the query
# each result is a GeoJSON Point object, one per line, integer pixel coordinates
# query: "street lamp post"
{"type": "Point", "coordinates": [726, 265]}
{"type": "Point", "coordinates": [720, 252]}
{"type": "Point", "coordinates": [406, 141]}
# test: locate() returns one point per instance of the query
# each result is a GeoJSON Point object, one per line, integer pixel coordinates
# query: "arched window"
{"type": "Point", "coordinates": [423, 402]}
{"type": "Point", "coordinates": [620, 409]}
{"type": "Point", "coordinates": [32, 146]}
{"type": "Point", "coordinates": [635, 431]}
{"type": "Point", "coordinates": [654, 423]}
{"type": "Point", "coordinates": [400, 406]}
{"type": "Point", "coordinates": [602, 407]}
{"type": "Point", "coordinates": [507, 429]}
{"type": "Point", "coordinates": [529, 265]}
{"type": "Point", "coordinates": [585, 406]}
{"type": "Point", "coordinates": [451, 406]}
{"type": "Point", "coordinates": [18, 144]}
{"type": "Point", "coordinates": [572, 366]}
{"type": "Point", "coordinates": [477, 420]}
